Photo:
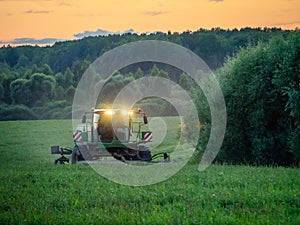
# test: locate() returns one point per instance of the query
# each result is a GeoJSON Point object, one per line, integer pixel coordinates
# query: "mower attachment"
{"type": "Point", "coordinates": [62, 152]}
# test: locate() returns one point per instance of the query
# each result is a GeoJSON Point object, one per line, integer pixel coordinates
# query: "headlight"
{"type": "Point", "coordinates": [109, 112]}
{"type": "Point", "coordinates": [125, 112]}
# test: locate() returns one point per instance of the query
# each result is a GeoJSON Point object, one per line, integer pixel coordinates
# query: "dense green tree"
{"type": "Point", "coordinates": [59, 92]}
{"type": "Point", "coordinates": [16, 112]}
{"type": "Point", "coordinates": [69, 93]}
{"type": "Point", "coordinates": [34, 69]}
{"type": "Point", "coordinates": [78, 69]}
{"type": "Point", "coordinates": [256, 85]}
{"type": "Point", "coordinates": [163, 74]}
{"type": "Point", "coordinates": [68, 78]}
{"type": "Point", "coordinates": [128, 79]}
{"type": "Point", "coordinates": [154, 71]}
{"type": "Point", "coordinates": [11, 56]}
{"type": "Point", "coordinates": [59, 77]}
{"type": "Point", "coordinates": [139, 73]}
{"type": "Point", "coordinates": [287, 81]}
{"type": "Point", "coordinates": [18, 95]}
{"type": "Point", "coordinates": [185, 81]}
{"type": "Point", "coordinates": [6, 79]}
{"type": "Point", "coordinates": [23, 61]}
{"type": "Point", "coordinates": [1, 92]}
{"type": "Point", "coordinates": [39, 88]}
{"type": "Point", "coordinates": [46, 69]}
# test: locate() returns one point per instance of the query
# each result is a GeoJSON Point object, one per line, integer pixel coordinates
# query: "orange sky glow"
{"type": "Point", "coordinates": [62, 19]}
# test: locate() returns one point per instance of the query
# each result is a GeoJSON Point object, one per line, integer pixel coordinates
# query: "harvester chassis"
{"type": "Point", "coordinates": [122, 154]}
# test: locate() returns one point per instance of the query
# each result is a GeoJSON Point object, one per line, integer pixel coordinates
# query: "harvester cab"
{"type": "Point", "coordinates": [120, 133]}
{"type": "Point", "coordinates": [107, 126]}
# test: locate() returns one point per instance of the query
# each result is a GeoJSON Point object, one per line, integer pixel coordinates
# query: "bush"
{"type": "Point", "coordinates": [55, 110]}
{"type": "Point", "coordinates": [261, 89]}
{"type": "Point", "coordinates": [16, 112]}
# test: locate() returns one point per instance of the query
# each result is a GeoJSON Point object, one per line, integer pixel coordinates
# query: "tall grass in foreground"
{"type": "Point", "coordinates": [35, 191]}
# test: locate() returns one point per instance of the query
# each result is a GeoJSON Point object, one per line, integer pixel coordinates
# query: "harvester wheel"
{"type": "Point", "coordinates": [74, 157]}
{"type": "Point", "coordinates": [144, 153]}
{"type": "Point", "coordinates": [75, 154]}
{"type": "Point", "coordinates": [57, 161]}
{"type": "Point", "coordinates": [61, 160]}
{"type": "Point", "coordinates": [84, 154]}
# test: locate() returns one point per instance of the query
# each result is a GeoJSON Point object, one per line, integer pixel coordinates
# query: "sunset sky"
{"type": "Point", "coordinates": [44, 21]}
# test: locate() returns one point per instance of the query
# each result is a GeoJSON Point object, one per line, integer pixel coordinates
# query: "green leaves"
{"type": "Point", "coordinates": [261, 87]}
{"type": "Point", "coordinates": [40, 88]}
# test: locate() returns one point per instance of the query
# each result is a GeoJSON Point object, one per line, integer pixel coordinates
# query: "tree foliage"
{"type": "Point", "coordinates": [261, 87]}
{"type": "Point", "coordinates": [40, 88]}
{"type": "Point", "coordinates": [16, 112]}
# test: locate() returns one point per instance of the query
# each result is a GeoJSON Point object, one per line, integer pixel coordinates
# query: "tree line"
{"type": "Point", "coordinates": [261, 86]}
{"type": "Point", "coordinates": [34, 76]}
{"type": "Point", "coordinates": [211, 45]}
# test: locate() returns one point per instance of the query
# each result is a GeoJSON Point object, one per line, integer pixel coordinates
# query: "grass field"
{"type": "Point", "coordinates": [35, 191]}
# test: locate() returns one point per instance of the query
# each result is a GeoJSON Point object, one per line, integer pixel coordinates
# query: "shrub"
{"type": "Point", "coordinates": [16, 112]}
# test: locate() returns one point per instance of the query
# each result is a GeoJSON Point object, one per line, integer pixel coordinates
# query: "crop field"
{"type": "Point", "coordinates": [35, 191]}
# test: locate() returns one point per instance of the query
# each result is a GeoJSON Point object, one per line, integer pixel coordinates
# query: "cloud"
{"type": "Point", "coordinates": [29, 1]}
{"type": "Point", "coordinates": [30, 11]}
{"type": "Point", "coordinates": [32, 41]}
{"type": "Point", "coordinates": [101, 32]}
{"type": "Point", "coordinates": [25, 0]}
{"type": "Point", "coordinates": [296, 23]}
{"type": "Point", "coordinates": [155, 13]}
{"type": "Point", "coordinates": [64, 4]}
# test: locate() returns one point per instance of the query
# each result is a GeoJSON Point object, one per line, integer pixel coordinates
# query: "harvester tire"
{"type": "Point", "coordinates": [57, 161]}
{"type": "Point", "coordinates": [144, 153]}
{"type": "Point", "coordinates": [84, 154]}
{"type": "Point", "coordinates": [74, 157]}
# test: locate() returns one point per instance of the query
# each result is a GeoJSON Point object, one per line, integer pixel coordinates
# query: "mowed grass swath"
{"type": "Point", "coordinates": [35, 191]}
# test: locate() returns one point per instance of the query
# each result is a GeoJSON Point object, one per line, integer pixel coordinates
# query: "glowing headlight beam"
{"type": "Point", "coordinates": [109, 112]}
{"type": "Point", "coordinates": [125, 112]}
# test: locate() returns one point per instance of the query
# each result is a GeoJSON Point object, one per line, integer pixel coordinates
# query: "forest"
{"type": "Point", "coordinates": [258, 70]}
